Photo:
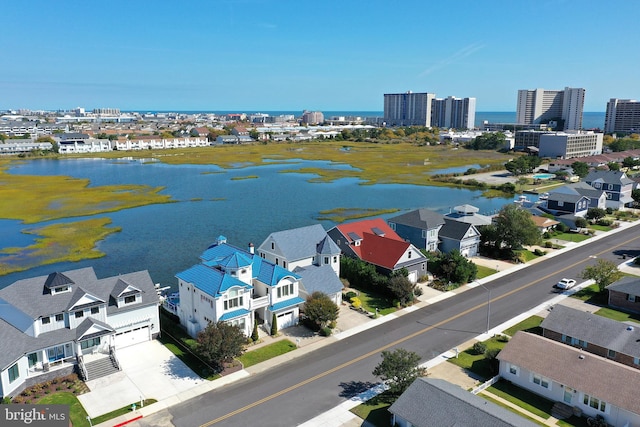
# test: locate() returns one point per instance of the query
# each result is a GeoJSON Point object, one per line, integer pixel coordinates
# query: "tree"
{"type": "Point", "coordinates": [274, 325]}
{"type": "Point", "coordinates": [220, 343]}
{"type": "Point", "coordinates": [398, 369]}
{"type": "Point", "coordinates": [454, 267]}
{"type": "Point", "coordinates": [522, 181]}
{"type": "Point", "coordinates": [512, 228]}
{"type": "Point", "coordinates": [580, 168]}
{"type": "Point", "coordinates": [635, 195]}
{"type": "Point", "coordinates": [523, 165]}
{"type": "Point", "coordinates": [320, 309]}
{"type": "Point", "coordinates": [595, 213]}
{"type": "Point", "coordinates": [255, 336]}
{"type": "Point", "coordinates": [603, 273]}
{"type": "Point", "coordinates": [613, 166]}
{"type": "Point", "coordinates": [487, 141]}
{"type": "Point", "coordinates": [402, 288]}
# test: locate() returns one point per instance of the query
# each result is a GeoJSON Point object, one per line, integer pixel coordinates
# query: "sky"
{"type": "Point", "coordinates": [271, 55]}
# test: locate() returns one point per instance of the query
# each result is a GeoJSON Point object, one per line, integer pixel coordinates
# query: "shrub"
{"type": "Point", "coordinates": [548, 244]}
{"type": "Point", "coordinates": [347, 296]}
{"type": "Point", "coordinates": [356, 303]}
{"type": "Point", "coordinates": [604, 222]}
{"type": "Point", "coordinates": [325, 332]}
{"type": "Point", "coordinates": [503, 338]}
{"type": "Point", "coordinates": [563, 228]}
{"type": "Point", "coordinates": [417, 291]}
{"type": "Point", "coordinates": [254, 335]}
{"type": "Point", "coordinates": [546, 235]}
{"type": "Point", "coordinates": [609, 211]}
{"type": "Point", "coordinates": [5, 400]}
{"type": "Point", "coordinates": [333, 324]}
{"type": "Point", "coordinates": [479, 348]}
{"type": "Point", "coordinates": [274, 325]}
{"type": "Point", "coordinates": [539, 252]}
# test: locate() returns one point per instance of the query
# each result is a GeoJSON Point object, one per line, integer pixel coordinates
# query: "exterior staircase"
{"type": "Point", "coordinates": [561, 410]}
{"type": "Point", "coordinates": [100, 368]}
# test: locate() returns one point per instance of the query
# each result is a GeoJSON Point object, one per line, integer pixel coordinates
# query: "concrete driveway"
{"type": "Point", "coordinates": [149, 371]}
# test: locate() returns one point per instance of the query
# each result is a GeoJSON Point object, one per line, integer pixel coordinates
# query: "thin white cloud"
{"type": "Point", "coordinates": [461, 54]}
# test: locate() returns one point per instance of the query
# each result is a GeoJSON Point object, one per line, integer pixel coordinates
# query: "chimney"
{"type": "Point", "coordinates": [251, 248]}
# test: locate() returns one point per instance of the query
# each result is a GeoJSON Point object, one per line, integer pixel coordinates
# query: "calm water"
{"type": "Point", "coordinates": [168, 238]}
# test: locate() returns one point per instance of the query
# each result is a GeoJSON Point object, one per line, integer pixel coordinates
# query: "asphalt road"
{"type": "Point", "coordinates": [301, 389]}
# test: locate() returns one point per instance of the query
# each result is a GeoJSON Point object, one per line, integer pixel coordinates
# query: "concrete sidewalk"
{"type": "Point", "coordinates": [341, 416]}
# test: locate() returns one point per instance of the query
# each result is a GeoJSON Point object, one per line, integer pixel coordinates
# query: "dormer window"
{"type": "Point", "coordinates": [59, 317]}
{"type": "Point", "coordinates": [46, 320]}
{"type": "Point", "coordinates": [130, 299]}
{"type": "Point", "coordinates": [60, 290]}
{"type": "Point", "coordinates": [79, 314]}
{"type": "Point", "coordinates": [95, 310]}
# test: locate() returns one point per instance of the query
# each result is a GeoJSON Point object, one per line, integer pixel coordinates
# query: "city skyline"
{"type": "Point", "coordinates": [266, 55]}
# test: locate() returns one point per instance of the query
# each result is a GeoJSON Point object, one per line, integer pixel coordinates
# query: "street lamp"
{"type": "Point", "coordinates": [488, 305]}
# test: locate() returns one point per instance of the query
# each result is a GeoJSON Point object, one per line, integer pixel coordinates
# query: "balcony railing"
{"type": "Point", "coordinates": [259, 302]}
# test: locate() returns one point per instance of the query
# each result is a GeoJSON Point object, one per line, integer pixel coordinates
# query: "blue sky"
{"type": "Point", "coordinates": [265, 55]}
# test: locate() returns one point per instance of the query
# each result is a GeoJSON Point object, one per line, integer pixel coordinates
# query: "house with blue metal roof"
{"type": "Point", "coordinates": [237, 286]}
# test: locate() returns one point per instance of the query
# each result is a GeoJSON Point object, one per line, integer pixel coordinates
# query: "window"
{"type": "Point", "coordinates": [14, 373]}
{"type": "Point", "coordinates": [284, 264]}
{"type": "Point", "coordinates": [560, 203]}
{"type": "Point", "coordinates": [594, 403]}
{"type": "Point", "coordinates": [636, 360]}
{"type": "Point", "coordinates": [631, 298]}
{"type": "Point", "coordinates": [326, 260]}
{"type": "Point", "coordinates": [424, 234]}
{"type": "Point", "coordinates": [132, 298]}
{"type": "Point", "coordinates": [611, 354]}
{"type": "Point", "coordinates": [33, 359]}
{"type": "Point", "coordinates": [335, 259]}
{"type": "Point", "coordinates": [240, 323]}
{"type": "Point", "coordinates": [46, 320]}
{"type": "Point", "coordinates": [277, 261]}
{"type": "Point", "coordinates": [285, 290]}
{"type": "Point", "coordinates": [273, 245]}
{"type": "Point", "coordinates": [79, 314]}
{"type": "Point", "coordinates": [234, 299]}
{"type": "Point", "coordinates": [392, 225]}
{"type": "Point", "coordinates": [596, 184]}
{"type": "Point", "coordinates": [409, 254]}
{"type": "Point", "coordinates": [424, 266]}
{"type": "Point", "coordinates": [541, 381]}
{"type": "Point", "coordinates": [93, 342]}
{"type": "Point", "coordinates": [59, 317]}
{"type": "Point", "coordinates": [95, 310]}
{"type": "Point", "coordinates": [513, 370]}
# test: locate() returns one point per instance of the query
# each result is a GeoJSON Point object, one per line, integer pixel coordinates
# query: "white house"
{"type": "Point", "coordinates": [239, 287]}
{"type": "Point", "coordinates": [310, 253]}
{"type": "Point", "coordinates": [51, 325]}
{"type": "Point", "coordinates": [590, 384]}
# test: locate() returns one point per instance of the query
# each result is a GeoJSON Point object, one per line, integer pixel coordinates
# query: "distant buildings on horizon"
{"type": "Point", "coordinates": [541, 106]}
{"type": "Point", "coordinates": [424, 109]}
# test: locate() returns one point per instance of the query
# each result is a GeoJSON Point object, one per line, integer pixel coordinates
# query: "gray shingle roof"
{"type": "Point", "coordinates": [424, 219]}
{"type": "Point", "coordinates": [453, 229]}
{"type": "Point", "coordinates": [612, 382]}
{"type": "Point", "coordinates": [299, 243]}
{"type": "Point", "coordinates": [594, 329]}
{"type": "Point", "coordinates": [608, 177]}
{"type": "Point", "coordinates": [563, 197]}
{"type": "Point", "coordinates": [434, 402]}
{"type": "Point", "coordinates": [319, 278]}
{"type": "Point", "coordinates": [628, 285]}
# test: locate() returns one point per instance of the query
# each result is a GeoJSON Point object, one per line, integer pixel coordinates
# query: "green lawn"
{"type": "Point", "coordinates": [183, 353]}
{"type": "Point", "coordinates": [76, 412]}
{"type": "Point", "coordinates": [525, 399]}
{"type": "Point", "coordinates": [618, 315]}
{"type": "Point", "coordinates": [375, 411]}
{"type": "Point", "coordinates": [592, 295]}
{"type": "Point", "coordinates": [600, 227]}
{"type": "Point", "coordinates": [122, 411]}
{"type": "Point", "coordinates": [528, 255]}
{"type": "Point", "coordinates": [267, 352]}
{"type": "Point", "coordinates": [530, 324]}
{"type": "Point", "coordinates": [484, 271]}
{"type": "Point", "coordinates": [569, 237]}
{"type": "Point", "coordinates": [477, 363]}
{"type": "Point", "coordinates": [371, 301]}
{"type": "Point", "coordinates": [510, 408]}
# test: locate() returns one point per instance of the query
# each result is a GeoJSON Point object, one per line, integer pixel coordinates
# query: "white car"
{"type": "Point", "coordinates": [565, 284]}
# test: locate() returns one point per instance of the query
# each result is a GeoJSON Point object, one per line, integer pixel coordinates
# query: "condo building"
{"type": "Point", "coordinates": [570, 144]}
{"type": "Point", "coordinates": [424, 109]}
{"type": "Point", "coordinates": [541, 106]}
{"type": "Point", "coordinates": [623, 115]}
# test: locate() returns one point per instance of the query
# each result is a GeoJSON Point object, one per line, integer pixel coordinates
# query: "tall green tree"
{"type": "Point", "coordinates": [454, 267]}
{"type": "Point", "coordinates": [402, 288]}
{"type": "Point", "coordinates": [274, 325]}
{"type": "Point", "coordinates": [488, 141]}
{"type": "Point", "coordinates": [603, 273]}
{"type": "Point", "coordinates": [580, 168]}
{"type": "Point", "coordinates": [512, 228]}
{"type": "Point", "coordinates": [220, 343]}
{"type": "Point", "coordinates": [523, 165]}
{"type": "Point", "coordinates": [398, 369]}
{"type": "Point", "coordinates": [320, 309]}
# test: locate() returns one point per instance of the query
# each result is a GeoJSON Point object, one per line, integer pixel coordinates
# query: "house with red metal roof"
{"type": "Point", "coordinates": [373, 241]}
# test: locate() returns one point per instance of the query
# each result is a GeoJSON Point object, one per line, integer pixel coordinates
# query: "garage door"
{"type": "Point", "coordinates": [285, 320]}
{"type": "Point", "coordinates": [413, 277]}
{"type": "Point", "coordinates": [131, 337]}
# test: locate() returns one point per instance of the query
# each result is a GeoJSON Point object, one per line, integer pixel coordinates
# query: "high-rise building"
{"type": "Point", "coordinates": [312, 117]}
{"type": "Point", "coordinates": [408, 109]}
{"type": "Point", "coordinates": [453, 113]}
{"type": "Point", "coordinates": [541, 106]}
{"type": "Point", "coordinates": [623, 115]}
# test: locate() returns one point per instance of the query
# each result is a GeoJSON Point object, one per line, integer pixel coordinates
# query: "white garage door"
{"type": "Point", "coordinates": [134, 336]}
{"type": "Point", "coordinates": [285, 320]}
{"type": "Point", "coordinates": [413, 277]}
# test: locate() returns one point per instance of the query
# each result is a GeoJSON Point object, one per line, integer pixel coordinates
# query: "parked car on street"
{"type": "Point", "coordinates": [565, 284]}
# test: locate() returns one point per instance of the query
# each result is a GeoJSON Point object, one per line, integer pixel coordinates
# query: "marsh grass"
{"type": "Point", "coordinates": [69, 241]}
{"type": "Point", "coordinates": [44, 198]}
{"type": "Point", "coordinates": [345, 214]}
